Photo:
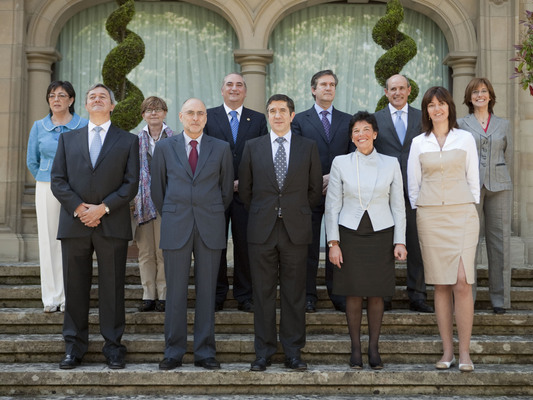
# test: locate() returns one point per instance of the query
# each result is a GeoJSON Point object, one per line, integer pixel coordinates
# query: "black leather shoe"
{"type": "Point", "coordinates": [116, 362]}
{"type": "Point", "coordinates": [246, 306]}
{"type": "Point", "coordinates": [147, 305]}
{"type": "Point", "coordinates": [340, 307]}
{"type": "Point", "coordinates": [375, 362]}
{"type": "Point", "coordinates": [169, 363]}
{"type": "Point", "coordinates": [498, 310]}
{"type": "Point", "coordinates": [420, 306]}
{"type": "Point", "coordinates": [310, 306]}
{"type": "Point", "coordinates": [219, 306]}
{"type": "Point", "coordinates": [260, 364]}
{"type": "Point", "coordinates": [296, 364]}
{"type": "Point", "coordinates": [208, 363]}
{"type": "Point", "coordinates": [387, 305]}
{"type": "Point", "coordinates": [69, 362]}
{"type": "Point", "coordinates": [160, 305]}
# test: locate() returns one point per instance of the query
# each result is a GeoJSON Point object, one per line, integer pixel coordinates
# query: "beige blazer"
{"type": "Point", "coordinates": [377, 189]}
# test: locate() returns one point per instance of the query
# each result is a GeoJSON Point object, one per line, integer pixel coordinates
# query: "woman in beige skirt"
{"type": "Point", "coordinates": [443, 179]}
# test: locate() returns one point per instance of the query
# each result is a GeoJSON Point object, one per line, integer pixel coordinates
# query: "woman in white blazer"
{"type": "Point", "coordinates": [365, 228]}
{"type": "Point", "coordinates": [494, 143]}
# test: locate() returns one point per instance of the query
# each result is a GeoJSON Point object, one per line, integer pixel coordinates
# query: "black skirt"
{"type": "Point", "coordinates": [368, 268]}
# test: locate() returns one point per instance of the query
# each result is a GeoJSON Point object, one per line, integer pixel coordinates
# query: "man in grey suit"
{"type": "Point", "coordinates": [328, 127]}
{"type": "Point", "coordinates": [398, 124]}
{"type": "Point", "coordinates": [235, 124]}
{"type": "Point", "coordinates": [192, 185]}
{"type": "Point", "coordinates": [280, 181]}
{"type": "Point", "coordinates": [95, 175]}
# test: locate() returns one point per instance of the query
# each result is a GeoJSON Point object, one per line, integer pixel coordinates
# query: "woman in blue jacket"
{"type": "Point", "coordinates": [42, 146]}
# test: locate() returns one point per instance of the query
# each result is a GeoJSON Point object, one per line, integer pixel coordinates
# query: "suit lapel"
{"type": "Point", "coordinates": [317, 123]}
{"type": "Point", "coordinates": [205, 150]}
{"type": "Point", "coordinates": [83, 142]}
{"type": "Point", "coordinates": [294, 161]}
{"type": "Point", "coordinates": [110, 138]}
{"type": "Point", "coordinates": [335, 125]}
{"type": "Point", "coordinates": [244, 125]}
{"type": "Point", "coordinates": [265, 157]}
{"type": "Point", "coordinates": [223, 123]}
{"type": "Point", "coordinates": [475, 127]}
{"type": "Point", "coordinates": [178, 144]}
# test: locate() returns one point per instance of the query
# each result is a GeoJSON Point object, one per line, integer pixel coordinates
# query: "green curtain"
{"type": "Point", "coordinates": [339, 37]}
{"type": "Point", "coordinates": [189, 49]}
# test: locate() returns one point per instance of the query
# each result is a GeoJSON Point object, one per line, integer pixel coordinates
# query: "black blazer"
{"type": "Point", "coordinates": [259, 190]}
{"type": "Point", "coordinates": [388, 142]}
{"type": "Point", "coordinates": [251, 125]}
{"type": "Point", "coordinates": [113, 181]}
{"type": "Point", "coordinates": [308, 124]}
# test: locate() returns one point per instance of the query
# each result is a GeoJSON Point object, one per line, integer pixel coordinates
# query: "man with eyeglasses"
{"type": "Point", "coordinates": [192, 185]}
{"type": "Point", "coordinates": [235, 124]}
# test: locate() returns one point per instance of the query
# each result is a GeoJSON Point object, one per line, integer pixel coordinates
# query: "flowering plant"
{"type": "Point", "coordinates": [524, 56]}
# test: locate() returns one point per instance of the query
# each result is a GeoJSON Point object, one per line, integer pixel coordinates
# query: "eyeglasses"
{"type": "Point", "coordinates": [478, 92]}
{"type": "Point", "coordinates": [153, 110]}
{"type": "Point", "coordinates": [193, 113]}
{"type": "Point", "coordinates": [61, 96]}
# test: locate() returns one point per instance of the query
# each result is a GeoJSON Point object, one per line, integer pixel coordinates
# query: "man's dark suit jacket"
{"type": "Point", "coordinates": [113, 181]}
{"type": "Point", "coordinates": [308, 124]}
{"type": "Point", "coordinates": [185, 200]}
{"type": "Point", "coordinates": [259, 190]}
{"type": "Point", "coordinates": [251, 125]}
{"type": "Point", "coordinates": [388, 142]}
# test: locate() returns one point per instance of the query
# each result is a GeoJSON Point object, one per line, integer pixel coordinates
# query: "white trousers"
{"type": "Point", "coordinates": [47, 208]}
{"type": "Point", "coordinates": [151, 262]}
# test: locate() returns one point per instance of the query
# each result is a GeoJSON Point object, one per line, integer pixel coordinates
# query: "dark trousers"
{"type": "Point", "coordinates": [416, 285]}
{"type": "Point", "coordinates": [242, 280]}
{"type": "Point", "coordinates": [177, 266]}
{"type": "Point", "coordinates": [111, 254]}
{"type": "Point", "coordinates": [279, 258]}
{"type": "Point", "coordinates": [313, 256]}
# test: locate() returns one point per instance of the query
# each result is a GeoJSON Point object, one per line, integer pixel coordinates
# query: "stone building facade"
{"type": "Point", "coordinates": [480, 36]}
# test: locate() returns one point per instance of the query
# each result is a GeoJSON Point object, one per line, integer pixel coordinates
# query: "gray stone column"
{"type": "Point", "coordinates": [463, 66]}
{"type": "Point", "coordinates": [253, 67]}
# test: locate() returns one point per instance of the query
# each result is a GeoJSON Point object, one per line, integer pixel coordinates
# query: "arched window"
{"type": "Point", "coordinates": [339, 37]}
{"type": "Point", "coordinates": [189, 49]}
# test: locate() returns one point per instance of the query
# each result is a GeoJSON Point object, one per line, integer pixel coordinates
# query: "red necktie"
{"type": "Point", "coordinates": [193, 155]}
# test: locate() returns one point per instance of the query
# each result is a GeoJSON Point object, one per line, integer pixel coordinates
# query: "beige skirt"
{"type": "Point", "coordinates": [448, 234]}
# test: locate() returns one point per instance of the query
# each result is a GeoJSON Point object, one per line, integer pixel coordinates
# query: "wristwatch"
{"type": "Point", "coordinates": [106, 208]}
{"type": "Point", "coordinates": [332, 243]}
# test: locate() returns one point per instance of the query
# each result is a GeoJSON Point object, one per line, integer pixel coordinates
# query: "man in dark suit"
{"type": "Point", "coordinates": [398, 124]}
{"type": "Point", "coordinates": [95, 175]}
{"type": "Point", "coordinates": [279, 182]}
{"type": "Point", "coordinates": [328, 127]}
{"type": "Point", "coordinates": [192, 185]}
{"type": "Point", "coordinates": [235, 124]}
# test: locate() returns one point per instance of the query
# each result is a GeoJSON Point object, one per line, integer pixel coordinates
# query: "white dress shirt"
{"type": "Point", "coordinates": [394, 115]}
{"type": "Point", "coordinates": [228, 110]}
{"type": "Point", "coordinates": [103, 133]}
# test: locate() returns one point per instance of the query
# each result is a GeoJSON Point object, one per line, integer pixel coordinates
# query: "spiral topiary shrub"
{"type": "Point", "coordinates": [119, 62]}
{"type": "Point", "coordinates": [400, 49]}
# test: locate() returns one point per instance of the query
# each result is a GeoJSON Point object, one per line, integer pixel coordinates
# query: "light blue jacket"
{"type": "Point", "coordinates": [42, 144]}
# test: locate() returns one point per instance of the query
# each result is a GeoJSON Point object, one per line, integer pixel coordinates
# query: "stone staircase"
{"type": "Point", "coordinates": [31, 346]}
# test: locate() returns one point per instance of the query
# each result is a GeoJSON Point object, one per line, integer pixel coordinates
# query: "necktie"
{"type": "Point", "coordinates": [325, 122]}
{"type": "Point", "coordinates": [280, 162]}
{"type": "Point", "coordinates": [96, 145]}
{"type": "Point", "coordinates": [193, 155]}
{"type": "Point", "coordinates": [400, 126]}
{"type": "Point", "coordinates": [234, 122]}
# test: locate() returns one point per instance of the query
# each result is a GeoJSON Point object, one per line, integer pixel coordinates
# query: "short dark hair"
{"type": "Point", "coordinates": [97, 85]}
{"type": "Point", "coordinates": [473, 85]}
{"type": "Point", "coordinates": [363, 116]}
{"type": "Point", "coordinates": [67, 87]}
{"type": "Point", "coordinates": [281, 97]}
{"type": "Point", "coordinates": [234, 73]}
{"type": "Point", "coordinates": [442, 94]}
{"type": "Point", "coordinates": [320, 74]}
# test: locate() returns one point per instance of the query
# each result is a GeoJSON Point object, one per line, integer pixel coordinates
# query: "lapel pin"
{"type": "Point", "coordinates": [247, 119]}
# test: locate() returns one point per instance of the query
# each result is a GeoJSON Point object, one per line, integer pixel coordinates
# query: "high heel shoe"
{"type": "Point", "coordinates": [466, 367]}
{"type": "Point", "coordinates": [375, 362]}
{"type": "Point", "coordinates": [356, 364]}
{"type": "Point", "coordinates": [445, 364]}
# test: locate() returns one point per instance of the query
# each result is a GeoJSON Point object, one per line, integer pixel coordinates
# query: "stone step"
{"type": "Point", "coordinates": [277, 397]}
{"type": "Point", "coordinates": [20, 296]}
{"type": "Point", "coordinates": [232, 348]}
{"type": "Point", "coordinates": [409, 380]}
{"type": "Point", "coordinates": [27, 273]}
{"type": "Point", "coordinates": [34, 321]}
